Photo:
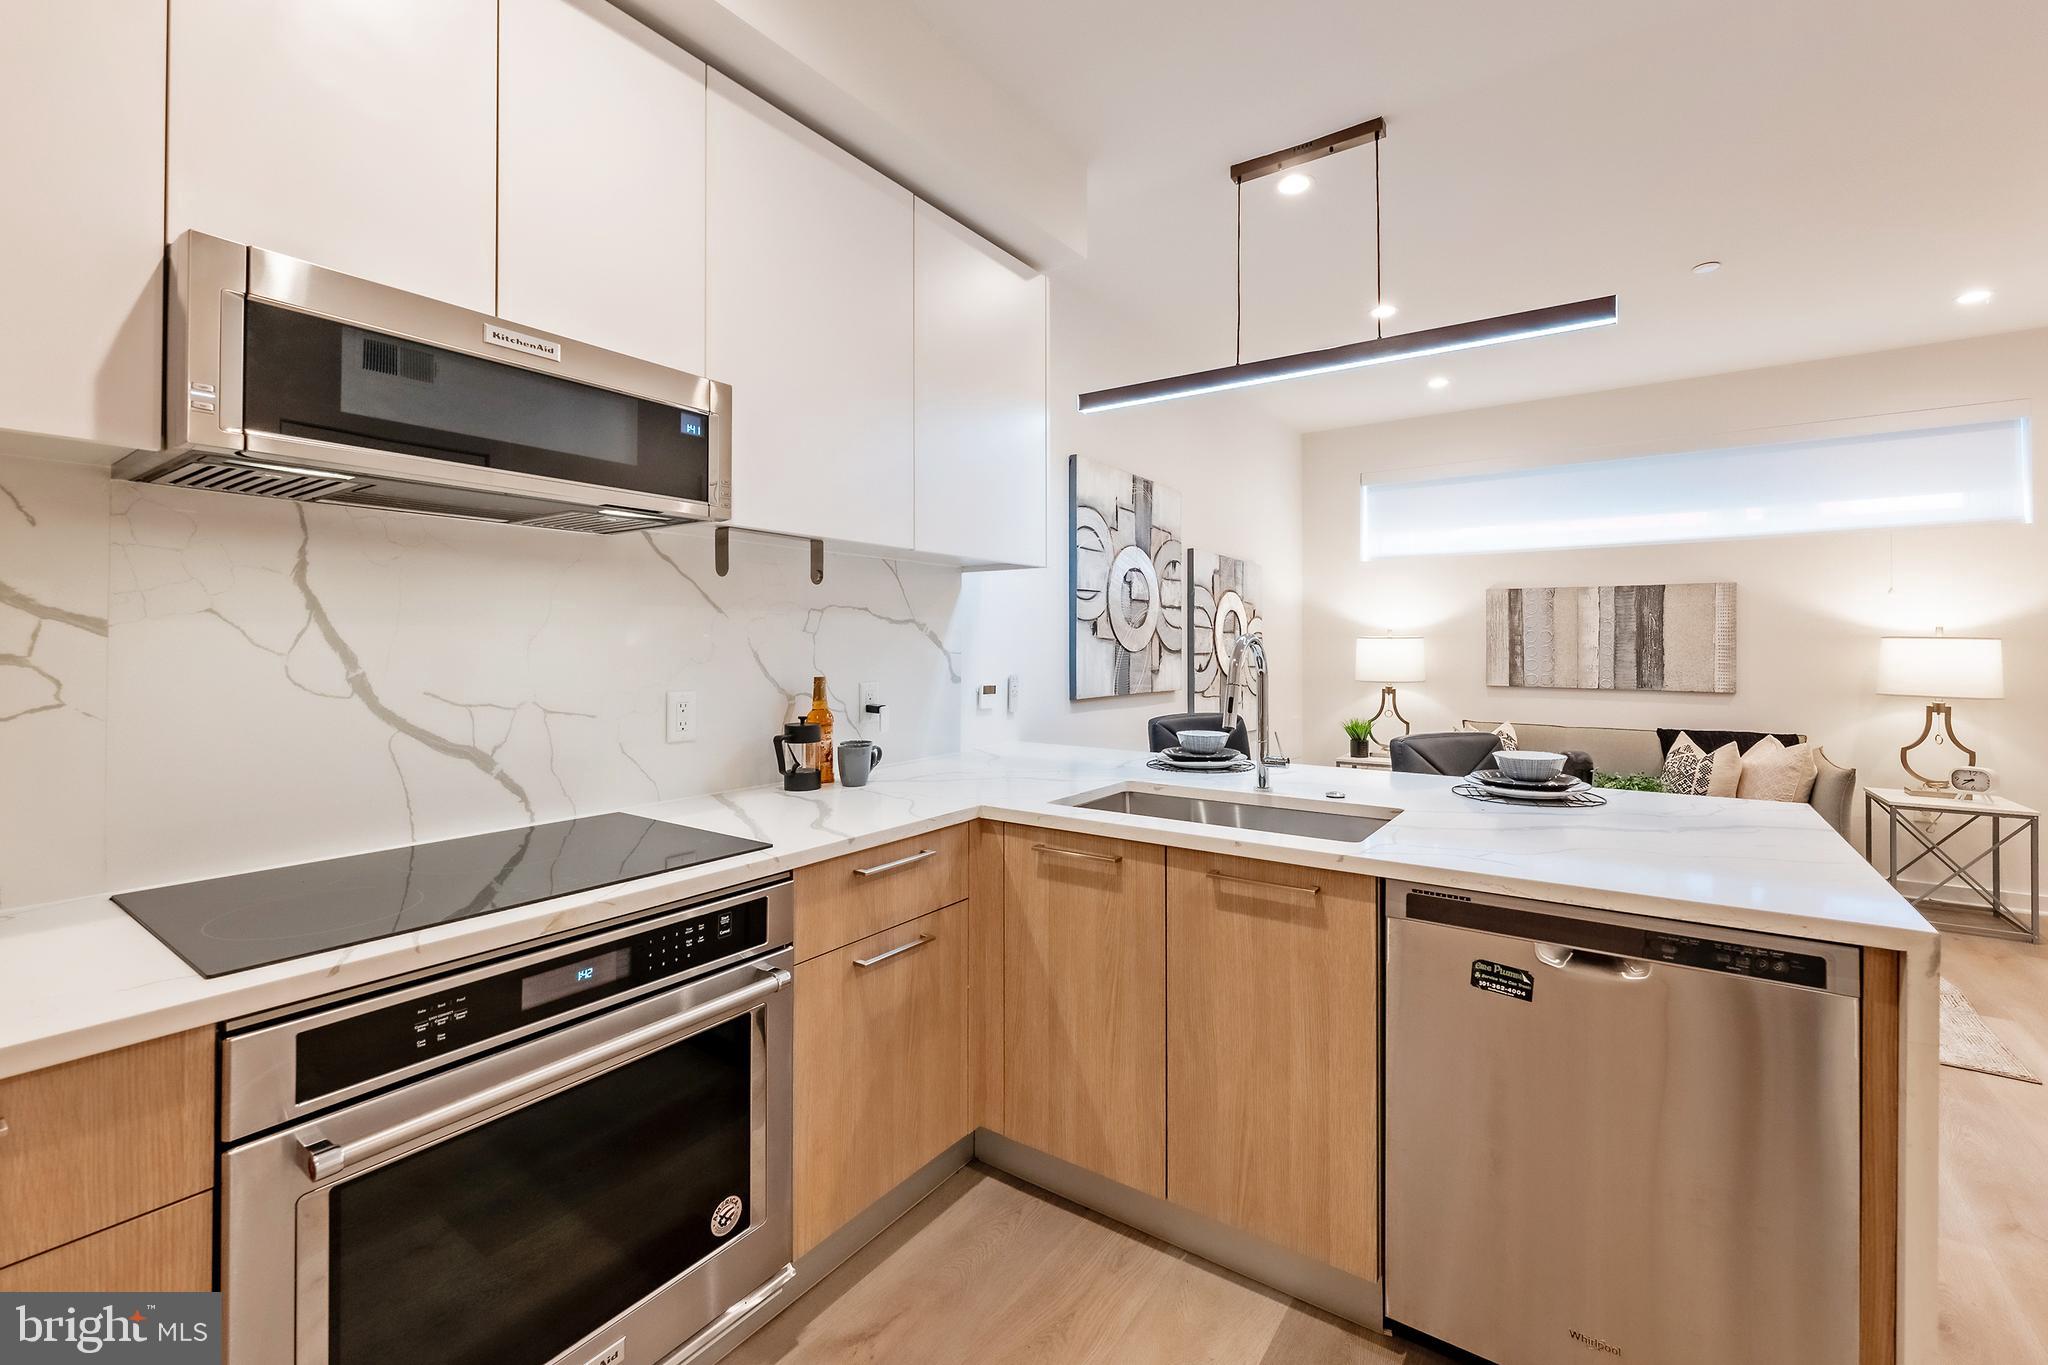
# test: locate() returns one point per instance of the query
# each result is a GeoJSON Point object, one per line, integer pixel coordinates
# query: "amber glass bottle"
{"type": "Point", "coordinates": [821, 716]}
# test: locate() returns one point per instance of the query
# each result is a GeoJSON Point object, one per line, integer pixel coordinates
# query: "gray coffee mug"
{"type": "Point", "coordinates": [858, 758]}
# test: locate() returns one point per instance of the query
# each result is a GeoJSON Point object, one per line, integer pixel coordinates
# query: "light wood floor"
{"type": "Point", "coordinates": [1994, 1166]}
{"type": "Point", "coordinates": [996, 1272]}
{"type": "Point", "coordinates": [991, 1271]}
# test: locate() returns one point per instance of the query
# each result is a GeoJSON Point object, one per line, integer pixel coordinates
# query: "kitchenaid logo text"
{"type": "Point", "coordinates": [519, 341]}
{"type": "Point", "coordinates": [168, 1329]}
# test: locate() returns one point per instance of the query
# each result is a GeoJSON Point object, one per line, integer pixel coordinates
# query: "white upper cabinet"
{"type": "Point", "coordinates": [808, 311]}
{"type": "Point", "coordinates": [81, 217]}
{"type": "Point", "coordinates": [980, 413]}
{"type": "Point", "coordinates": [359, 136]}
{"type": "Point", "coordinates": [601, 181]}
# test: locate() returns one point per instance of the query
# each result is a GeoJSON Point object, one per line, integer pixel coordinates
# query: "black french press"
{"type": "Point", "coordinates": [798, 750]}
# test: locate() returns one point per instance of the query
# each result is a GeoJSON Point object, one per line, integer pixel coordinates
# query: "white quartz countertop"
{"type": "Point", "coordinates": [79, 977]}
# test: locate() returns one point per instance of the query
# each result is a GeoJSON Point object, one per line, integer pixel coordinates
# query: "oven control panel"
{"type": "Point", "coordinates": [433, 1021]}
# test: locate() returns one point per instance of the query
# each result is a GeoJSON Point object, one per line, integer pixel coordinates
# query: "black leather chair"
{"type": "Point", "coordinates": [1163, 732]}
{"type": "Point", "coordinates": [1460, 753]}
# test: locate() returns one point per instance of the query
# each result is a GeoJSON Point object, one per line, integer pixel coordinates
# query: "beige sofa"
{"type": "Point", "coordinates": [1637, 751]}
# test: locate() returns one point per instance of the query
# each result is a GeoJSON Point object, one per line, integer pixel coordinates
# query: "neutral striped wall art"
{"type": "Point", "coordinates": [1646, 637]}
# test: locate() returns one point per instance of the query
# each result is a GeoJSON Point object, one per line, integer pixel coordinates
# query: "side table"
{"type": "Point", "coordinates": [1379, 761]}
{"type": "Point", "coordinates": [1982, 908]}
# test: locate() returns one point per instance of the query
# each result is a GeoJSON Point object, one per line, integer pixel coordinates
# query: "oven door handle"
{"type": "Point", "coordinates": [324, 1160]}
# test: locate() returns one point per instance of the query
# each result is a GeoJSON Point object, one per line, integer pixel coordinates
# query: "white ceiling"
{"type": "Point", "coordinates": [1856, 163]}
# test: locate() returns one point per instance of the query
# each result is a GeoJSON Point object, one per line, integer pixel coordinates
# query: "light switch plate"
{"type": "Point", "coordinates": [681, 717]}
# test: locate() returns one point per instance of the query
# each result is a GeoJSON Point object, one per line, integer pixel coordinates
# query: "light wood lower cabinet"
{"type": "Point", "coordinates": [1084, 1002]}
{"type": "Point", "coordinates": [864, 893]}
{"type": "Point", "coordinates": [881, 1066]}
{"type": "Point", "coordinates": [170, 1249]}
{"type": "Point", "coordinates": [104, 1139]}
{"type": "Point", "coordinates": [1272, 1053]}
{"type": "Point", "coordinates": [1878, 1231]}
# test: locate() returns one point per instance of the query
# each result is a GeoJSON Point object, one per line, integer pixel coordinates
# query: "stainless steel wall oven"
{"type": "Point", "coordinates": [574, 1154]}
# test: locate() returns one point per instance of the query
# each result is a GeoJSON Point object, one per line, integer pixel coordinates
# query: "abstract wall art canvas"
{"type": "Point", "coordinates": [1647, 637]}
{"type": "Point", "coordinates": [1128, 577]}
{"type": "Point", "coordinates": [1223, 597]}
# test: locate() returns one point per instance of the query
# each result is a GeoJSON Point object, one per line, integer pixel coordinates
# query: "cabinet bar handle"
{"type": "Point", "coordinates": [1266, 886]}
{"type": "Point", "coordinates": [1080, 853]}
{"type": "Point", "coordinates": [888, 953]}
{"type": "Point", "coordinates": [879, 868]}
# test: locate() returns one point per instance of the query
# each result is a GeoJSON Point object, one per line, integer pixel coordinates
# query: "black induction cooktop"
{"type": "Point", "coordinates": [228, 924]}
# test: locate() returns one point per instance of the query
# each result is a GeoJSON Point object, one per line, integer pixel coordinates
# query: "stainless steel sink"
{"type": "Point", "coordinates": [1337, 826]}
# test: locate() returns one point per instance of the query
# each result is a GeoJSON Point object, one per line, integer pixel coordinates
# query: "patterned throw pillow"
{"type": "Point", "coordinates": [1691, 771]}
{"type": "Point", "coordinates": [1504, 732]}
{"type": "Point", "coordinates": [1775, 771]}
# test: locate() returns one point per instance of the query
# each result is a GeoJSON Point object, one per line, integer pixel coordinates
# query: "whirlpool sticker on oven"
{"type": "Point", "coordinates": [162, 1329]}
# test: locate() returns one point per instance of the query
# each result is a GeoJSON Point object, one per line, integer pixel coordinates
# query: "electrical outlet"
{"type": "Point", "coordinates": [1014, 695]}
{"type": "Point", "coordinates": [682, 717]}
{"type": "Point", "coordinates": [873, 720]}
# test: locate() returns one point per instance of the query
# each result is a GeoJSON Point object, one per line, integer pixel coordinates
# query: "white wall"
{"type": "Point", "coordinates": [1239, 477]}
{"type": "Point", "coordinates": [1809, 608]}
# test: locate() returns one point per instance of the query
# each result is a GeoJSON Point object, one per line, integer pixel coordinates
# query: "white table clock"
{"type": "Point", "coordinates": [1972, 780]}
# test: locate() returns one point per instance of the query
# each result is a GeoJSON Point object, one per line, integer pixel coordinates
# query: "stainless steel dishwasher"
{"type": "Point", "coordinates": [1617, 1138]}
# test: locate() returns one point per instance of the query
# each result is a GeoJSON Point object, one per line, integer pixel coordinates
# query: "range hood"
{"type": "Point", "coordinates": [287, 380]}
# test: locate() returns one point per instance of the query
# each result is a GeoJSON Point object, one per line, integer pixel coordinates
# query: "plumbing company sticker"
{"type": "Point", "coordinates": [1502, 979]}
{"type": "Point", "coordinates": [157, 1328]}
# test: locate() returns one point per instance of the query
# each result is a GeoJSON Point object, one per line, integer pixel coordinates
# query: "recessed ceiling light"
{"type": "Point", "coordinates": [1384, 310]}
{"type": "Point", "coordinates": [1294, 182]}
{"type": "Point", "coordinates": [1439, 382]}
{"type": "Point", "coordinates": [1970, 298]}
{"type": "Point", "coordinates": [1706, 267]}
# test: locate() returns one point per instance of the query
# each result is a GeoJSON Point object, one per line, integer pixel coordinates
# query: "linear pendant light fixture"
{"type": "Point", "coordinates": [1378, 349]}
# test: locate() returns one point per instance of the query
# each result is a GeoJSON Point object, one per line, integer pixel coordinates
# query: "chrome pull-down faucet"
{"type": "Point", "coordinates": [1251, 649]}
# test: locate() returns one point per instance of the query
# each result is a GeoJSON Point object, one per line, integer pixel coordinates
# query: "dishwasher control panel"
{"type": "Point", "coordinates": [1626, 937]}
{"type": "Point", "coordinates": [1739, 959]}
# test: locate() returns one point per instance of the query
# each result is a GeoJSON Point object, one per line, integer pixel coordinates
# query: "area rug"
{"type": "Point", "coordinates": [1968, 1044]}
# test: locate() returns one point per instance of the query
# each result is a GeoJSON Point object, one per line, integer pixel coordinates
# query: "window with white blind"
{"type": "Point", "coordinates": [1933, 477]}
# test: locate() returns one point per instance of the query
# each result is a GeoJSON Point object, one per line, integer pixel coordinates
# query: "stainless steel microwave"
{"type": "Point", "coordinates": [287, 380]}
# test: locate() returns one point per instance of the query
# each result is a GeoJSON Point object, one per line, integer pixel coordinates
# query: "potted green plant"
{"type": "Point", "coordinates": [1361, 737]}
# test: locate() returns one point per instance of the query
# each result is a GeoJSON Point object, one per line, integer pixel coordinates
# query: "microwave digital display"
{"type": "Point", "coordinates": [543, 988]}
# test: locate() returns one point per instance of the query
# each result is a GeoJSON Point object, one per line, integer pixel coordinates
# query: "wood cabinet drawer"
{"type": "Point", "coordinates": [881, 1066]}
{"type": "Point", "coordinates": [1272, 1052]}
{"type": "Point", "coordinates": [1084, 1002]}
{"type": "Point", "coordinates": [100, 1140]}
{"type": "Point", "coordinates": [168, 1250]}
{"type": "Point", "coordinates": [864, 893]}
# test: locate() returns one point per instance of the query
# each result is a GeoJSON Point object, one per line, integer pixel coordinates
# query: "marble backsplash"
{"type": "Point", "coordinates": [193, 684]}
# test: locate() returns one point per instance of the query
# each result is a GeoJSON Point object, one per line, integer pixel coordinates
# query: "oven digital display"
{"type": "Point", "coordinates": [546, 987]}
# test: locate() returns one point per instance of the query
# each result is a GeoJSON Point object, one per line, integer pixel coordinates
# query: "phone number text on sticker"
{"type": "Point", "coordinates": [1502, 979]}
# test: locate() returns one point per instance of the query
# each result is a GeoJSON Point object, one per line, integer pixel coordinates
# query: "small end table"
{"type": "Point", "coordinates": [1380, 761]}
{"type": "Point", "coordinates": [1984, 909]}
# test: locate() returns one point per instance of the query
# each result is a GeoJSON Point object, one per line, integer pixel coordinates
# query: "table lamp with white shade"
{"type": "Point", "coordinates": [1943, 667]}
{"type": "Point", "coordinates": [1388, 659]}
